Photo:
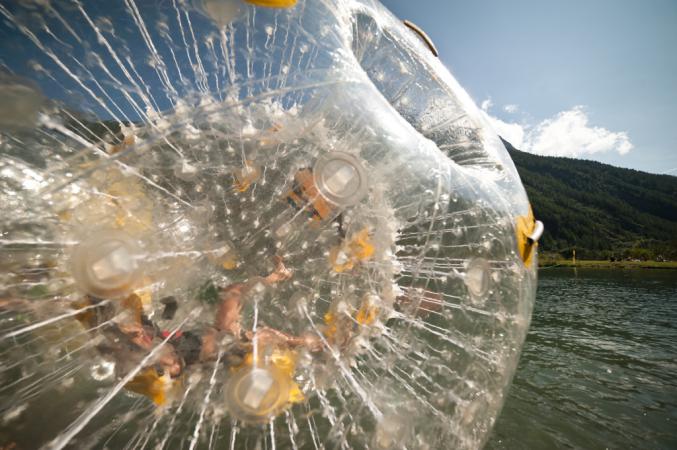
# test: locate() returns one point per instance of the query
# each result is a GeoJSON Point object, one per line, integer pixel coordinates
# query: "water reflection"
{"type": "Point", "coordinates": [597, 369]}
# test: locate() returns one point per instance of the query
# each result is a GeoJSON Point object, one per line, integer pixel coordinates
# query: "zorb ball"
{"type": "Point", "coordinates": [250, 224]}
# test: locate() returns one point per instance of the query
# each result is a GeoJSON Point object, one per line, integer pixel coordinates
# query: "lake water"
{"type": "Point", "coordinates": [599, 367]}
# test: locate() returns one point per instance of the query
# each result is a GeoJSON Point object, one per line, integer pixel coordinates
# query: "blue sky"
{"type": "Point", "coordinates": [586, 79]}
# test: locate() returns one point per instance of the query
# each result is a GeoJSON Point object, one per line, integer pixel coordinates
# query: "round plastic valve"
{"type": "Point", "coordinates": [340, 178]}
{"type": "Point", "coordinates": [106, 264]}
{"type": "Point", "coordinates": [257, 394]}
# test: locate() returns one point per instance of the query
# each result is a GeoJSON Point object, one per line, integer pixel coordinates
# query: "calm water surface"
{"type": "Point", "coordinates": [599, 367]}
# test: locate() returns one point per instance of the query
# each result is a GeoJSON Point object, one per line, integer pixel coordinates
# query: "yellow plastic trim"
{"type": "Point", "coordinates": [523, 228]}
{"type": "Point", "coordinates": [309, 199]}
{"type": "Point", "coordinates": [150, 384]}
{"type": "Point", "coordinates": [272, 3]}
{"type": "Point", "coordinates": [366, 315]}
{"type": "Point", "coordinates": [330, 328]}
{"type": "Point", "coordinates": [357, 249]}
{"type": "Point", "coordinates": [134, 303]}
{"type": "Point", "coordinates": [230, 261]}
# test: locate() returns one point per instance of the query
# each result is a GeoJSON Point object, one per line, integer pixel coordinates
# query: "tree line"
{"type": "Point", "coordinates": [600, 211]}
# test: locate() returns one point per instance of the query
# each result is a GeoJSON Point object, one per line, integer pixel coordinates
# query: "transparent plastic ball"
{"type": "Point", "coordinates": [275, 224]}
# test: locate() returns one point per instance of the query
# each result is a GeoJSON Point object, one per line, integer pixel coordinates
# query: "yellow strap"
{"type": "Point", "coordinates": [356, 249]}
{"type": "Point", "coordinates": [366, 315]}
{"type": "Point", "coordinates": [149, 384]}
{"type": "Point", "coordinates": [272, 3]}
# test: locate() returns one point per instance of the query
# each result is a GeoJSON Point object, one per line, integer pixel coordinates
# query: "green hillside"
{"type": "Point", "coordinates": [602, 211]}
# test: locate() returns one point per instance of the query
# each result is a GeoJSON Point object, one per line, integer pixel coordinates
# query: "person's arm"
{"type": "Point", "coordinates": [228, 316]}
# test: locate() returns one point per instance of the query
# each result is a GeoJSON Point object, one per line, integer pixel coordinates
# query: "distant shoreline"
{"type": "Point", "coordinates": [591, 264]}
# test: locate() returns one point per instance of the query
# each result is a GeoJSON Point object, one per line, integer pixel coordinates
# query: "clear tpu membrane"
{"type": "Point", "coordinates": [250, 225]}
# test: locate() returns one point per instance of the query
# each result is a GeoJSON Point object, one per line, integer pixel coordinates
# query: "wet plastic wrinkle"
{"type": "Point", "coordinates": [472, 156]}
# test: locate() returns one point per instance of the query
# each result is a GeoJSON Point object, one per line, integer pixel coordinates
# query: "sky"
{"type": "Point", "coordinates": [584, 79]}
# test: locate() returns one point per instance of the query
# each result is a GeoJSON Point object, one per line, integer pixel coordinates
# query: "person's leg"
{"type": "Point", "coordinates": [266, 336]}
{"type": "Point", "coordinates": [228, 315]}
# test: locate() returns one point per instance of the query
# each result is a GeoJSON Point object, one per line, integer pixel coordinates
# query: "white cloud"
{"type": "Point", "coordinates": [511, 109]}
{"type": "Point", "coordinates": [511, 132]}
{"type": "Point", "coordinates": [487, 104]}
{"type": "Point", "coordinates": [568, 133]}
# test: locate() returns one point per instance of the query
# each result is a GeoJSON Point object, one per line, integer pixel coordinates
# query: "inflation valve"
{"type": "Point", "coordinates": [340, 178]}
{"type": "Point", "coordinates": [256, 394]}
{"type": "Point", "coordinates": [106, 264]}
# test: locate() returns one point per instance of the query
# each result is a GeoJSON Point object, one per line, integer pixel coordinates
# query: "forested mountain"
{"type": "Point", "coordinates": [601, 211]}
